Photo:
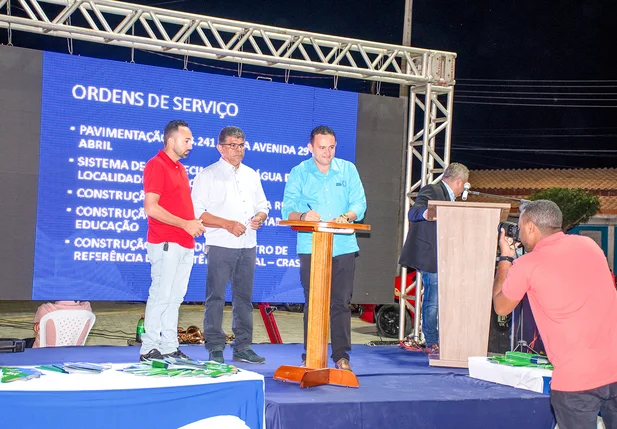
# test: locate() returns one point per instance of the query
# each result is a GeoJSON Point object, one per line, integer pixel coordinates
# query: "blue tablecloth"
{"type": "Point", "coordinates": [117, 400]}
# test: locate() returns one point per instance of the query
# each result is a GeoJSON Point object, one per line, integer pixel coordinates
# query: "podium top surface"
{"type": "Point", "coordinates": [433, 204]}
{"type": "Point", "coordinates": [337, 228]}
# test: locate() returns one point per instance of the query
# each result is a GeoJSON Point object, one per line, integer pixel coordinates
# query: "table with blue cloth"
{"type": "Point", "coordinates": [115, 399]}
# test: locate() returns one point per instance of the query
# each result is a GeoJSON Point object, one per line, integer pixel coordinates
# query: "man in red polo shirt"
{"type": "Point", "coordinates": [172, 229]}
{"type": "Point", "coordinates": [574, 303]}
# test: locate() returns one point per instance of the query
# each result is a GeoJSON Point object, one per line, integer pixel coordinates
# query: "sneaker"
{"type": "Point", "coordinates": [248, 356]}
{"type": "Point", "coordinates": [177, 354]}
{"type": "Point", "coordinates": [343, 363]}
{"type": "Point", "coordinates": [152, 354]}
{"type": "Point", "coordinates": [411, 345]}
{"type": "Point", "coordinates": [432, 350]}
{"type": "Point", "coordinates": [216, 356]}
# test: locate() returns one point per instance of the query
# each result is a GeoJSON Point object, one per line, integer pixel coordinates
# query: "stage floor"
{"type": "Point", "coordinates": [398, 389]}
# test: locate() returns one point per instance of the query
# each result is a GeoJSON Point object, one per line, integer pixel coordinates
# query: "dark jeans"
{"type": "Point", "coordinates": [340, 296]}
{"type": "Point", "coordinates": [430, 308]}
{"type": "Point", "coordinates": [238, 267]}
{"type": "Point", "coordinates": [579, 410]}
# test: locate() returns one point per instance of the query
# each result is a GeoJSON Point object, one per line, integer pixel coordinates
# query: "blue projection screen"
{"type": "Point", "coordinates": [103, 120]}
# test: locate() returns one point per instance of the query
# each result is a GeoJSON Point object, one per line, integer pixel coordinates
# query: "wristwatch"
{"type": "Point", "coordinates": [344, 216]}
{"type": "Point", "coordinates": [506, 258]}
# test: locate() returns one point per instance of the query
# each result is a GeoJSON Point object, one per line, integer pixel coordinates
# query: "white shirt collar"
{"type": "Point", "coordinates": [450, 192]}
{"type": "Point", "coordinates": [226, 164]}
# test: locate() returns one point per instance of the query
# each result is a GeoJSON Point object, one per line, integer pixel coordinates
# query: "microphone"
{"type": "Point", "coordinates": [466, 191]}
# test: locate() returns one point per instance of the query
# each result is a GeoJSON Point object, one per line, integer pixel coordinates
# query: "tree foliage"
{"type": "Point", "coordinates": [577, 205]}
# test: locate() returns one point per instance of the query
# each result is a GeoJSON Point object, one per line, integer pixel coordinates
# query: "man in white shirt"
{"type": "Point", "coordinates": [230, 202]}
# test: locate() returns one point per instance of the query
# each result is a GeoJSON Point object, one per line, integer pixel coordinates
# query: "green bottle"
{"type": "Point", "coordinates": [140, 329]}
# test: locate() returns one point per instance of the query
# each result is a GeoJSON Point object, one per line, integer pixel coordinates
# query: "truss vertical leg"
{"type": "Point", "coordinates": [403, 291]}
{"type": "Point", "coordinates": [434, 113]}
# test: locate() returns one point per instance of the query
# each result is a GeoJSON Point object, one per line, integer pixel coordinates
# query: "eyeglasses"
{"type": "Point", "coordinates": [234, 145]}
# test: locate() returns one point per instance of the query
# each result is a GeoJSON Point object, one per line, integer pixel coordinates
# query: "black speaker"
{"type": "Point", "coordinates": [499, 333]}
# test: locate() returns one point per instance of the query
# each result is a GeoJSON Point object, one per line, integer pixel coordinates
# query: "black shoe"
{"type": "Point", "coordinates": [177, 355]}
{"type": "Point", "coordinates": [216, 356]}
{"type": "Point", "coordinates": [248, 356]}
{"type": "Point", "coordinates": [152, 354]}
{"type": "Point", "coordinates": [343, 363]}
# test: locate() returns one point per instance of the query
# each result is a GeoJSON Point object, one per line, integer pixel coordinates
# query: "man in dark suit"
{"type": "Point", "coordinates": [420, 248]}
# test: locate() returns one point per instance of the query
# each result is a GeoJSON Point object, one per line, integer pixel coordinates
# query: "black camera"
{"type": "Point", "coordinates": [511, 230]}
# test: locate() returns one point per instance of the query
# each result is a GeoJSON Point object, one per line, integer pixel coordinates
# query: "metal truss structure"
{"type": "Point", "coordinates": [430, 111]}
{"type": "Point", "coordinates": [428, 73]}
{"type": "Point", "coordinates": [142, 27]}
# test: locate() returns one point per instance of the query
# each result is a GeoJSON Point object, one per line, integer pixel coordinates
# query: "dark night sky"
{"type": "Point", "coordinates": [511, 56]}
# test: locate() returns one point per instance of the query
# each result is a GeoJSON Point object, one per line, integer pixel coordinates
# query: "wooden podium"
{"type": "Point", "coordinates": [316, 372]}
{"type": "Point", "coordinates": [467, 235]}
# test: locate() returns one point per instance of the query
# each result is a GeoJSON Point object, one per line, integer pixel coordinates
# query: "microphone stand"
{"type": "Point", "coordinates": [501, 197]}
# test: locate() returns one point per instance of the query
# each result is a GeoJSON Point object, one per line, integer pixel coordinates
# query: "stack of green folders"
{"type": "Point", "coordinates": [171, 367]}
{"type": "Point", "coordinates": [9, 374]}
{"type": "Point", "coordinates": [522, 359]}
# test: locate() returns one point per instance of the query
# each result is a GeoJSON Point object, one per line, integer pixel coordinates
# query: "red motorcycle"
{"type": "Point", "coordinates": [386, 316]}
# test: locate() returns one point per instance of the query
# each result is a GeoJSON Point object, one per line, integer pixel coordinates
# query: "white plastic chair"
{"type": "Point", "coordinates": [69, 326]}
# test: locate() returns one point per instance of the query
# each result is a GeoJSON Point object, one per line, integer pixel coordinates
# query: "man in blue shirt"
{"type": "Point", "coordinates": [328, 188]}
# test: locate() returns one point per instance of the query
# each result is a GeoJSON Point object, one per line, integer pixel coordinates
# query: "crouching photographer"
{"type": "Point", "coordinates": [574, 303]}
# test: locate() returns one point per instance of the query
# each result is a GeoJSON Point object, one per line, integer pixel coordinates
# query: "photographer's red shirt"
{"type": "Point", "coordinates": [169, 180]}
{"type": "Point", "coordinates": [574, 303]}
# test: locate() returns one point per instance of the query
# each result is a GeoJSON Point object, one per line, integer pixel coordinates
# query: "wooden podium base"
{"type": "Point", "coordinates": [448, 363]}
{"type": "Point", "coordinates": [308, 377]}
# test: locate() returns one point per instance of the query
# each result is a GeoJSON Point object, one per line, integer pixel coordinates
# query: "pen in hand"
{"type": "Point", "coordinates": [255, 222]}
{"type": "Point", "coordinates": [311, 208]}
